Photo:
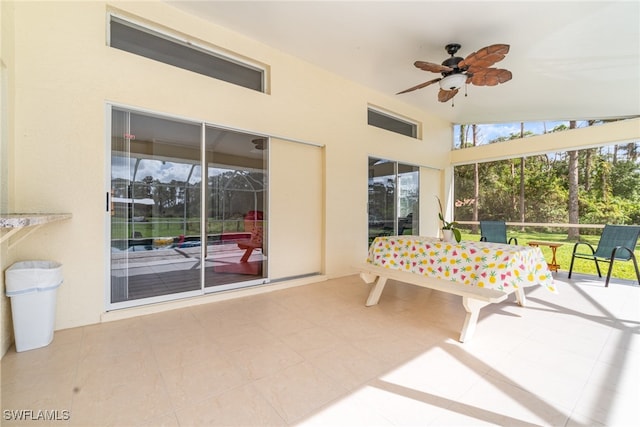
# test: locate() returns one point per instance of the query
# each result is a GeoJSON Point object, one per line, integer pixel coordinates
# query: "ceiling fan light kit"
{"type": "Point", "coordinates": [456, 72]}
{"type": "Point", "coordinates": [453, 81]}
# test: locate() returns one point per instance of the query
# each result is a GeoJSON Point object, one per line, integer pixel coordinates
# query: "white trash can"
{"type": "Point", "coordinates": [32, 287]}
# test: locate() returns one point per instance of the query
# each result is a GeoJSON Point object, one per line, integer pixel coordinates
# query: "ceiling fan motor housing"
{"type": "Point", "coordinates": [452, 63]}
{"type": "Point", "coordinates": [452, 49]}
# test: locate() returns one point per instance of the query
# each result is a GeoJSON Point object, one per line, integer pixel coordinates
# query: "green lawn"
{"type": "Point", "coordinates": [621, 270]}
{"type": "Point", "coordinates": [170, 227]}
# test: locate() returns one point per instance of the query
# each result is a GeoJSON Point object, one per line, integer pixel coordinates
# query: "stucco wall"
{"type": "Point", "coordinates": [65, 74]}
{"type": "Point", "coordinates": [6, 150]}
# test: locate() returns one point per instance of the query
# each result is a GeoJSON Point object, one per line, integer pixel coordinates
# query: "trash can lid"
{"type": "Point", "coordinates": [32, 276]}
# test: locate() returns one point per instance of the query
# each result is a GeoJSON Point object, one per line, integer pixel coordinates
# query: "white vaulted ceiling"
{"type": "Point", "coordinates": [569, 59]}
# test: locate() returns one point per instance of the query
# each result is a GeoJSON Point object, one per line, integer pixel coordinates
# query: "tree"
{"type": "Point", "coordinates": [522, 179]}
{"type": "Point", "coordinates": [476, 181]}
{"type": "Point", "coordinates": [574, 208]}
{"type": "Point", "coordinates": [588, 169]}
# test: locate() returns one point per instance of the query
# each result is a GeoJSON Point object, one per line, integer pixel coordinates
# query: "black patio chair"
{"type": "Point", "coordinates": [617, 243]}
{"type": "Point", "coordinates": [496, 232]}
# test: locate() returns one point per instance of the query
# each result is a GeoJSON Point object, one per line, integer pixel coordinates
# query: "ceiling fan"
{"type": "Point", "coordinates": [475, 69]}
{"type": "Point", "coordinates": [259, 144]}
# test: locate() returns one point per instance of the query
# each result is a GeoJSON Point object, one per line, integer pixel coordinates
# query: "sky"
{"type": "Point", "coordinates": [490, 132]}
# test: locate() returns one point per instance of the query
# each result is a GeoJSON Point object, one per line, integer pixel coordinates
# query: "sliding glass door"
{"type": "Point", "coordinates": [393, 198]}
{"type": "Point", "coordinates": [166, 217]}
{"type": "Point", "coordinates": [235, 208]}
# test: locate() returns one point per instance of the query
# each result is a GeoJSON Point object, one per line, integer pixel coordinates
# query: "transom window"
{"type": "Point", "coordinates": [152, 44]}
{"type": "Point", "coordinates": [391, 123]}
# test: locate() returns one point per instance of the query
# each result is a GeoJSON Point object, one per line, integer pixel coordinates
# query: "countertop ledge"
{"type": "Point", "coordinates": [21, 220]}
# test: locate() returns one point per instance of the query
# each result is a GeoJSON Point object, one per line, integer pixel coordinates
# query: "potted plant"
{"type": "Point", "coordinates": [449, 229]}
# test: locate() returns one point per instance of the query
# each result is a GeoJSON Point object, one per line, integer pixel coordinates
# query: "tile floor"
{"type": "Point", "coordinates": [315, 356]}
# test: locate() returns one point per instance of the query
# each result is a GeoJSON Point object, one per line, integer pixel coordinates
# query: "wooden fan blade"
{"type": "Point", "coordinates": [420, 86]}
{"type": "Point", "coordinates": [445, 95]}
{"type": "Point", "coordinates": [434, 68]}
{"type": "Point", "coordinates": [485, 57]}
{"type": "Point", "coordinates": [490, 76]}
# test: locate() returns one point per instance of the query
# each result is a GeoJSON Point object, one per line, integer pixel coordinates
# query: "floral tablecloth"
{"type": "Point", "coordinates": [481, 264]}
